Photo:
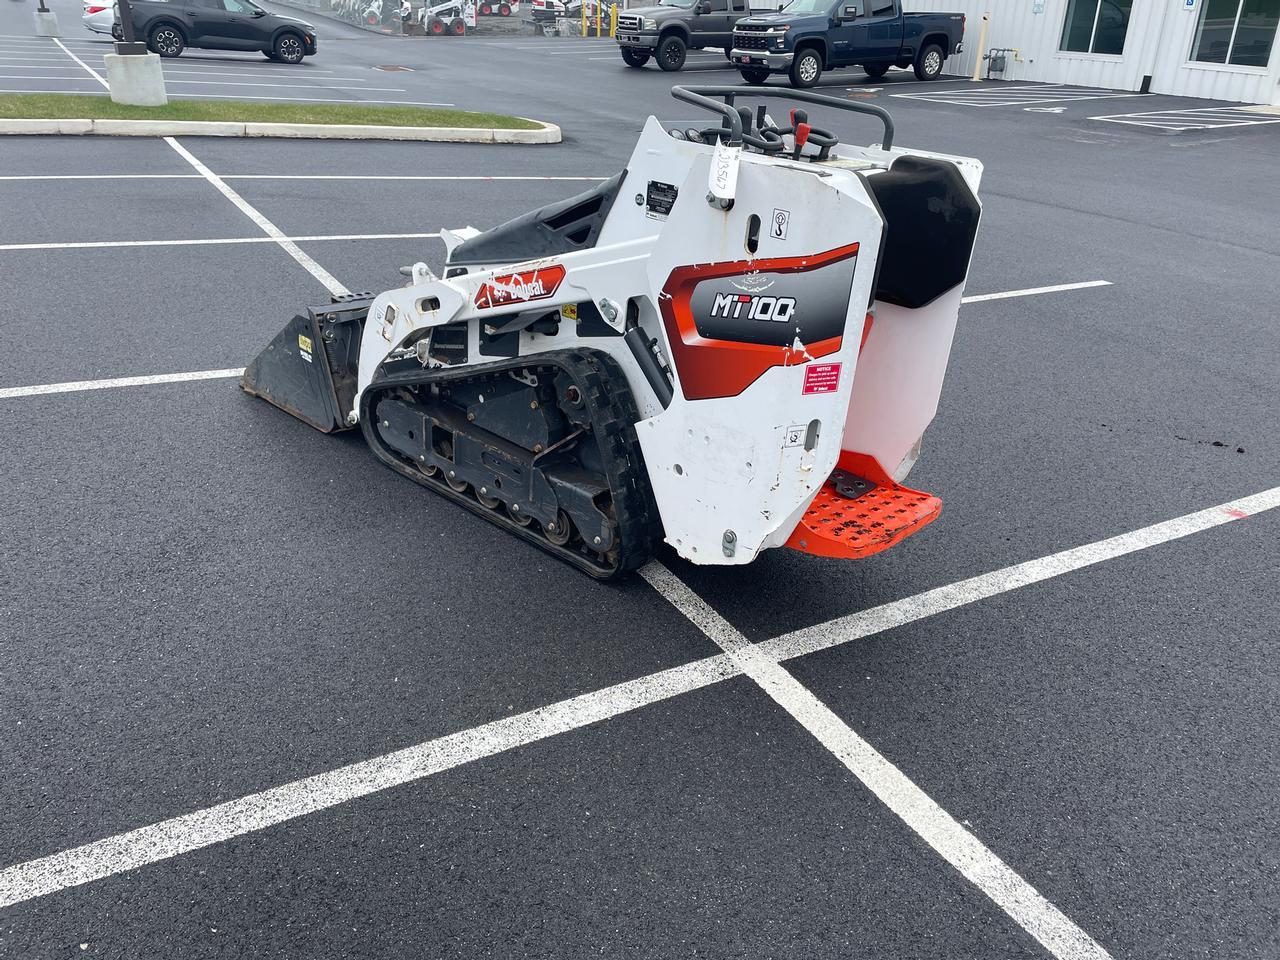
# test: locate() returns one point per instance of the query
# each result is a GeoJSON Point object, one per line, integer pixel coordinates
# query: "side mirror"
{"type": "Point", "coordinates": [702, 8]}
{"type": "Point", "coordinates": [258, 13]}
{"type": "Point", "coordinates": [849, 13]}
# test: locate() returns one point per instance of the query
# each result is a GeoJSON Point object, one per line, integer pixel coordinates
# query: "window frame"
{"type": "Point", "coordinates": [1226, 63]}
{"type": "Point", "coordinates": [1093, 35]}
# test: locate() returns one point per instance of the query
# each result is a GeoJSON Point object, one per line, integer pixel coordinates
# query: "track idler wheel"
{"type": "Point", "coordinates": [560, 530]}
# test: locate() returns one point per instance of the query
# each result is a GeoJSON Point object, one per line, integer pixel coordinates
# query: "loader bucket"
{"type": "Point", "coordinates": [310, 367]}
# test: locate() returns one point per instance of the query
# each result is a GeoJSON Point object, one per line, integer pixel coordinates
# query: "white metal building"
{"type": "Point", "coordinates": [1219, 49]}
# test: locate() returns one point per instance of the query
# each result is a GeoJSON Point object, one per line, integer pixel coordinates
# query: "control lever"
{"type": "Point", "coordinates": [800, 130]}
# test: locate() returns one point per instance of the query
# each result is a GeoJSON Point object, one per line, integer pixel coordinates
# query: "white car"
{"type": "Point", "coordinates": [98, 17]}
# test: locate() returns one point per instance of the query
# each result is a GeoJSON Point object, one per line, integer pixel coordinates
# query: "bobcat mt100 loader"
{"type": "Point", "coordinates": [734, 344]}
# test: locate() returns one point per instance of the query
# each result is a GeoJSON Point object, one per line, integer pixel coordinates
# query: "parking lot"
{"type": "Point", "coordinates": [265, 698]}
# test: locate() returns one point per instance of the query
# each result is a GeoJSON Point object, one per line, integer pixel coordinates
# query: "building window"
{"type": "Point", "coordinates": [1238, 32]}
{"type": "Point", "coordinates": [1099, 26]}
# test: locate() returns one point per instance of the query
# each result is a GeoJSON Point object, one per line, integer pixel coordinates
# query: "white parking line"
{"type": "Point", "coordinates": [270, 229]}
{"type": "Point", "coordinates": [289, 176]}
{"type": "Point", "coordinates": [1017, 96]}
{"type": "Point", "coordinates": [93, 73]}
{"type": "Point", "coordinates": [43, 389]}
{"type": "Point", "coordinates": [202, 828]}
{"type": "Point", "coordinates": [221, 83]}
{"type": "Point", "coordinates": [78, 385]}
{"type": "Point", "coordinates": [209, 242]}
{"type": "Point", "coordinates": [960, 848]}
{"type": "Point", "coordinates": [1036, 291]}
{"type": "Point", "coordinates": [1199, 118]}
{"type": "Point", "coordinates": [104, 176]}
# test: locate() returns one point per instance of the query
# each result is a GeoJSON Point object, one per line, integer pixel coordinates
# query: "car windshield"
{"type": "Point", "coordinates": [807, 6]}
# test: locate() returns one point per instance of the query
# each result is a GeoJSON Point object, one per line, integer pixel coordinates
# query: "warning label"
{"type": "Point", "coordinates": [659, 199]}
{"type": "Point", "coordinates": [821, 378]}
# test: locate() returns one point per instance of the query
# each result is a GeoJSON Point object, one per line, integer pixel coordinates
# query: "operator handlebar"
{"type": "Point", "coordinates": [701, 97]}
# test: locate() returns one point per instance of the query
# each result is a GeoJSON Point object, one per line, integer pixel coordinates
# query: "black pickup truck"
{"type": "Point", "coordinates": [669, 30]}
{"type": "Point", "coordinates": [807, 37]}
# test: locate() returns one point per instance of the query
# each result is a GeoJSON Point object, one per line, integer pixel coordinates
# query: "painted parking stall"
{"type": "Point", "coordinates": [266, 696]}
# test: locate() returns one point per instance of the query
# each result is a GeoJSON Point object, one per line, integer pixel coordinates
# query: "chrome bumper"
{"type": "Point", "coordinates": [761, 58]}
{"type": "Point", "coordinates": [647, 41]}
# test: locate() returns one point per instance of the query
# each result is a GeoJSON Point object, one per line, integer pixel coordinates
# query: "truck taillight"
{"type": "Point", "coordinates": [94, 9]}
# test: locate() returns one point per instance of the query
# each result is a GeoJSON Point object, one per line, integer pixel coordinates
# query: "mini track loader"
{"type": "Point", "coordinates": [734, 344]}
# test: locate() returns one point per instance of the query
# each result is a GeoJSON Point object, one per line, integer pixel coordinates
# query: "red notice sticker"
{"type": "Point", "coordinates": [821, 378]}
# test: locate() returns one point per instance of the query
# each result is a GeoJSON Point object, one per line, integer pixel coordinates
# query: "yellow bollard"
{"type": "Point", "coordinates": [584, 19]}
{"type": "Point", "coordinates": [613, 20]}
{"type": "Point", "coordinates": [982, 48]}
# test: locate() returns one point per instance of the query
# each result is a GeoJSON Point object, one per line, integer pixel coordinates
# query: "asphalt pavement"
{"type": "Point", "coordinates": [204, 599]}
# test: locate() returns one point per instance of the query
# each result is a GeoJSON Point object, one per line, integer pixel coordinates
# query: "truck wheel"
{"type": "Point", "coordinates": [728, 52]}
{"type": "Point", "coordinates": [929, 63]}
{"type": "Point", "coordinates": [755, 77]}
{"type": "Point", "coordinates": [634, 57]}
{"type": "Point", "coordinates": [504, 9]}
{"type": "Point", "coordinates": [486, 9]}
{"type": "Point", "coordinates": [166, 41]}
{"type": "Point", "coordinates": [457, 27]}
{"type": "Point", "coordinates": [806, 68]}
{"type": "Point", "coordinates": [435, 26]}
{"type": "Point", "coordinates": [671, 53]}
{"type": "Point", "coordinates": [875, 70]}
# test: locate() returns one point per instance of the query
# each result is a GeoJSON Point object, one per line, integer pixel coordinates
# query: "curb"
{"type": "Point", "coordinates": [550, 133]}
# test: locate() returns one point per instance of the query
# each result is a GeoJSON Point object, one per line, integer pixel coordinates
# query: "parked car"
{"type": "Point", "coordinates": [806, 37]}
{"type": "Point", "coordinates": [671, 29]}
{"type": "Point", "coordinates": [97, 17]}
{"type": "Point", "coordinates": [170, 26]}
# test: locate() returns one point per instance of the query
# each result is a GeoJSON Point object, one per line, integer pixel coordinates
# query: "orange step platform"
{"type": "Point", "coordinates": [853, 516]}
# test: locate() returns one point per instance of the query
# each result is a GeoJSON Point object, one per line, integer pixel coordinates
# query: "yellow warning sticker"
{"type": "Point", "coordinates": [569, 311]}
{"type": "Point", "coordinates": [304, 343]}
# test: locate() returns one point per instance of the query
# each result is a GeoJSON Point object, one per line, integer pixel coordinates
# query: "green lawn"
{"type": "Point", "coordinates": [59, 106]}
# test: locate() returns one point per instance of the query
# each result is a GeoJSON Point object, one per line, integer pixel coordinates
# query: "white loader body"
{"type": "Point", "coordinates": [784, 369]}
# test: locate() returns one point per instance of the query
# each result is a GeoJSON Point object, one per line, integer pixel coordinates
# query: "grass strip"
{"type": "Point", "coordinates": [63, 106]}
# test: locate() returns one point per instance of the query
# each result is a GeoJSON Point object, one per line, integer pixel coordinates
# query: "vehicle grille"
{"type": "Point", "coordinates": [628, 23]}
{"type": "Point", "coordinates": [742, 41]}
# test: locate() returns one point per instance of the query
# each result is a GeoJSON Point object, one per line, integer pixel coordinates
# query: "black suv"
{"type": "Point", "coordinates": [170, 26]}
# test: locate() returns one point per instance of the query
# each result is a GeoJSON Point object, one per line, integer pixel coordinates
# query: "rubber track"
{"type": "Point", "coordinates": [613, 416]}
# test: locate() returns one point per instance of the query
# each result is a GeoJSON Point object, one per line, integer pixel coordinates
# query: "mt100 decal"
{"type": "Point", "coordinates": [778, 309]}
{"type": "Point", "coordinates": [730, 322]}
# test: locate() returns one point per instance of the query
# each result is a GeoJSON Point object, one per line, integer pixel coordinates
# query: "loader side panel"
{"type": "Point", "coordinates": [728, 323]}
{"type": "Point", "coordinates": [931, 220]}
